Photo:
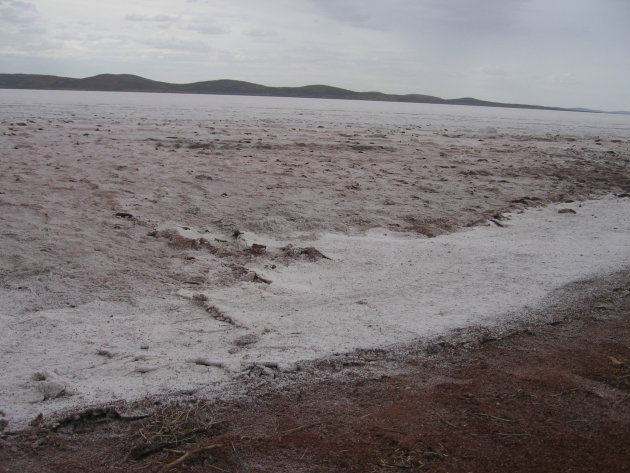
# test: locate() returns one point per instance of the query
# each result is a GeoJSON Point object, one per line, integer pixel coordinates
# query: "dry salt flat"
{"type": "Point", "coordinates": [120, 277]}
{"type": "Point", "coordinates": [376, 290]}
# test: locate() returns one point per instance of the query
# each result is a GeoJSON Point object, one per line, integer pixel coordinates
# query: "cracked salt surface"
{"type": "Point", "coordinates": [378, 289]}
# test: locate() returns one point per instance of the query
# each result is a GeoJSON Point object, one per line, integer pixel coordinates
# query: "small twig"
{"type": "Point", "coordinates": [624, 398]}
{"type": "Point", "coordinates": [439, 416]}
{"type": "Point", "coordinates": [385, 429]}
{"type": "Point", "coordinates": [190, 320]}
{"type": "Point", "coordinates": [185, 456]}
{"type": "Point", "coordinates": [297, 429]}
{"type": "Point", "coordinates": [500, 419]}
{"type": "Point", "coordinates": [220, 469]}
{"type": "Point", "coordinates": [138, 468]}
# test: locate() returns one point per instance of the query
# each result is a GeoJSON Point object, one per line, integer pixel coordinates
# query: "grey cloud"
{"type": "Point", "coordinates": [259, 33]}
{"type": "Point", "coordinates": [484, 13]}
{"type": "Point", "coordinates": [489, 71]}
{"type": "Point", "coordinates": [415, 16]}
{"type": "Point", "coordinates": [159, 18]}
{"type": "Point", "coordinates": [173, 44]}
{"type": "Point", "coordinates": [42, 46]}
{"type": "Point", "coordinates": [208, 29]}
{"type": "Point", "coordinates": [351, 12]}
{"type": "Point", "coordinates": [16, 11]}
{"type": "Point", "coordinates": [370, 14]}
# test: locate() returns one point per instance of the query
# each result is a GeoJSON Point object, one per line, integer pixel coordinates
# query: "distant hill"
{"type": "Point", "coordinates": [131, 83]}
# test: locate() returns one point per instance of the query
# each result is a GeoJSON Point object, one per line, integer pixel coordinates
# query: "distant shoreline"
{"type": "Point", "coordinates": [132, 83]}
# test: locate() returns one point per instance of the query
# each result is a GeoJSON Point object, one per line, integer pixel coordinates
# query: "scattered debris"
{"type": "Point", "coordinates": [258, 370]}
{"type": "Point", "coordinates": [96, 414]}
{"type": "Point", "coordinates": [105, 353]}
{"type": "Point", "coordinates": [51, 389]}
{"type": "Point", "coordinates": [50, 386]}
{"type": "Point", "coordinates": [37, 421]}
{"type": "Point", "coordinates": [221, 316]}
{"type": "Point", "coordinates": [258, 249]}
{"type": "Point", "coordinates": [248, 275]}
{"type": "Point", "coordinates": [253, 276]}
{"type": "Point", "coordinates": [312, 253]}
{"type": "Point", "coordinates": [200, 145]}
{"type": "Point", "coordinates": [205, 362]}
{"type": "Point", "coordinates": [239, 240]}
{"type": "Point", "coordinates": [184, 237]}
{"type": "Point", "coordinates": [247, 339]}
{"type": "Point", "coordinates": [525, 200]}
{"type": "Point", "coordinates": [497, 223]}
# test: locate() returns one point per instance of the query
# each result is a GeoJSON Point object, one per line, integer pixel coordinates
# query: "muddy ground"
{"type": "Point", "coordinates": [548, 397]}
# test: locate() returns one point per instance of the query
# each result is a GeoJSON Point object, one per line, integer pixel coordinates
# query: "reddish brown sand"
{"type": "Point", "coordinates": [547, 398]}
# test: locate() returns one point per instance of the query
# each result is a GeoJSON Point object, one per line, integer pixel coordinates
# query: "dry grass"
{"type": "Point", "coordinates": [170, 427]}
{"type": "Point", "coordinates": [401, 458]}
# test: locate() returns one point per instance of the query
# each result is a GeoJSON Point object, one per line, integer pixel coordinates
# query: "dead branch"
{"type": "Point", "coordinates": [187, 455]}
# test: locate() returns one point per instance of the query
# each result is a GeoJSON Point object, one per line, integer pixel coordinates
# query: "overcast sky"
{"type": "Point", "coordinates": [572, 53]}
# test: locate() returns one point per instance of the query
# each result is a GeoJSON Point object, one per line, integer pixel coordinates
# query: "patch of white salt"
{"type": "Point", "coordinates": [376, 290]}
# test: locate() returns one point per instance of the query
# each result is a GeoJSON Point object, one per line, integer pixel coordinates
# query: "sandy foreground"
{"type": "Point", "coordinates": [162, 258]}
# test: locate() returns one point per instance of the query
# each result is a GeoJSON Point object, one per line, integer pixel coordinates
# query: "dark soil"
{"type": "Point", "coordinates": [554, 397]}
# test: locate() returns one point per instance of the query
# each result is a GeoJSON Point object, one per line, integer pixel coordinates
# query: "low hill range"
{"type": "Point", "coordinates": [133, 83]}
